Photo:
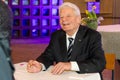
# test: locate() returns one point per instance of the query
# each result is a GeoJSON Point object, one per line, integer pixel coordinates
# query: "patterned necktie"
{"type": "Point", "coordinates": [69, 51]}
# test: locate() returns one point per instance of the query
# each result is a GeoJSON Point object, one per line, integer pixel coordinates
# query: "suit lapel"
{"type": "Point", "coordinates": [77, 43]}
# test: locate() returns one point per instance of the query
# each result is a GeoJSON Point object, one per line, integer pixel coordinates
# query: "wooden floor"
{"type": "Point", "coordinates": [25, 52]}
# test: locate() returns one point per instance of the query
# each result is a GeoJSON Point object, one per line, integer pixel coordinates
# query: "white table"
{"type": "Point", "coordinates": [22, 74]}
{"type": "Point", "coordinates": [109, 28]}
{"type": "Point", "coordinates": [111, 38]}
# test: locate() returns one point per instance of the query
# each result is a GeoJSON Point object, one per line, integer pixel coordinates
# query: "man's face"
{"type": "Point", "coordinates": [69, 20]}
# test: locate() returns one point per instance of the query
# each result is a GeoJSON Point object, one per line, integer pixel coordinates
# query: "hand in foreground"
{"type": "Point", "coordinates": [60, 67]}
{"type": "Point", "coordinates": [34, 66]}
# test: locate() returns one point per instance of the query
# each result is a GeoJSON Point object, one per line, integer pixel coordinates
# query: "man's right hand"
{"type": "Point", "coordinates": [34, 66]}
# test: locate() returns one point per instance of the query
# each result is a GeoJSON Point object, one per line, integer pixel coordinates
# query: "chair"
{"type": "Point", "coordinates": [110, 62]}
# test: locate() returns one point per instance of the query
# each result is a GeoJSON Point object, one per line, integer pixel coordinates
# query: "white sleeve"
{"type": "Point", "coordinates": [74, 66]}
{"type": "Point", "coordinates": [43, 67]}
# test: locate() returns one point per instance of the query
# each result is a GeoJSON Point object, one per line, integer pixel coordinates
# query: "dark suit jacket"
{"type": "Point", "coordinates": [87, 50]}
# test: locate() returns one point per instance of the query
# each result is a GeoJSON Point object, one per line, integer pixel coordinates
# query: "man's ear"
{"type": "Point", "coordinates": [78, 19]}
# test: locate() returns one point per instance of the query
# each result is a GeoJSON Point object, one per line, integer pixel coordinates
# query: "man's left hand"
{"type": "Point", "coordinates": [60, 67]}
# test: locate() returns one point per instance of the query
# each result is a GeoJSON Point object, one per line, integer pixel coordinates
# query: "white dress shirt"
{"type": "Point", "coordinates": [74, 65]}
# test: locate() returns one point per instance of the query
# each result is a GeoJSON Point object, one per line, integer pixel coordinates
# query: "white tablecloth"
{"type": "Point", "coordinates": [22, 74]}
{"type": "Point", "coordinates": [111, 38]}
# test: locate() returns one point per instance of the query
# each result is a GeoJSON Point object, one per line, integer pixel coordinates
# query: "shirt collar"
{"type": "Point", "coordinates": [73, 36]}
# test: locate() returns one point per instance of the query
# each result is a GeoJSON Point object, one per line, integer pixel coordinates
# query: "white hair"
{"type": "Point", "coordinates": [71, 5]}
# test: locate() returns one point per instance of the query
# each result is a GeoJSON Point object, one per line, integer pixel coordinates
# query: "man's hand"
{"type": "Point", "coordinates": [34, 66]}
{"type": "Point", "coordinates": [60, 67]}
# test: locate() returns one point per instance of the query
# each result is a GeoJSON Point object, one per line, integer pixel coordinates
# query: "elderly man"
{"type": "Point", "coordinates": [74, 47]}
